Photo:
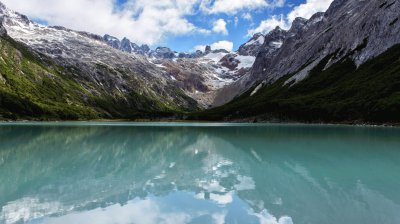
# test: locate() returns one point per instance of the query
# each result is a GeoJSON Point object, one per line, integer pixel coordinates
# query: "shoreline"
{"type": "Point", "coordinates": [180, 121]}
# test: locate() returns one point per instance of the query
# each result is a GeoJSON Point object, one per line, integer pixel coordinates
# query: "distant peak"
{"type": "Point", "coordinates": [299, 20]}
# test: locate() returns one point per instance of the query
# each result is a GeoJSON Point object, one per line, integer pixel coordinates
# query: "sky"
{"type": "Point", "coordinates": [182, 25]}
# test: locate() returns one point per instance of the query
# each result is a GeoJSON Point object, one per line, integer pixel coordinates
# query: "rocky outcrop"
{"type": "Point", "coordinates": [126, 45]}
{"type": "Point", "coordinates": [253, 46]}
{"type": "Point", "coordinates": [230, 61]}
{"type": "Point", "coordinates": [163, 53]}
{"type": "Point", "coordinates": [112, 41]}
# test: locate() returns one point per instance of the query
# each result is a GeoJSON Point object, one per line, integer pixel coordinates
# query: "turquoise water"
{"type": "Point", "coordinates": [122, 173]}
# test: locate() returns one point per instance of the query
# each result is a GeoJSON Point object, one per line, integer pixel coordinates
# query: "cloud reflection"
{"type": "Point", "coordinates": [274, 175]}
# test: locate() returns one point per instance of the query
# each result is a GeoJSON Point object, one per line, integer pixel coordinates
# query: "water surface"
{"type": "Point", "coordinates": [149, 173]}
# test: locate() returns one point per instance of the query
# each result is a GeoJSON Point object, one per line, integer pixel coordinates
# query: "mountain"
{"type": "Point", "coordinates": [200, 74]}
{"type": "Point", "coordinates": [341, 65]}
{"type": "Point", "coordinates": [116, 78]}
{"type": "Point", "coordinates": [79, 70]}
{"type": "Point", "coordinates": [338, 66]}
{"type": "Point", "coordinates": [360, 30]}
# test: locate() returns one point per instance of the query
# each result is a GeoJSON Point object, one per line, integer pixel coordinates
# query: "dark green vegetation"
{"type": "Point", "coordinates": [33, 86]}
{"type": "Point", "coordinates": [341, 93]}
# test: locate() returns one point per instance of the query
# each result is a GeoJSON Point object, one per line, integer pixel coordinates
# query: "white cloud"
{"type": "Point", "coordinates": [223, 44]}
{"type": "Point", "coordinates": [236, 21]}
{"type": "Point", "coordinates": [234, 6]}
{"type": "Point", "coordinates": [268, 25]}
{"type": "Point", "coordinates": [308, 9]}
{"type": "Point", "coordinates": [142, 21]}
{"type": "Point", "coordinates": [247, 16]}
{"type": "Point", "coordinates": [219, 26]}
{"type": "Point", "coordinates": [305, 10]}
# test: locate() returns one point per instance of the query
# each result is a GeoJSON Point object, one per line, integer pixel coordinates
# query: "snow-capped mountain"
{"type": "Point", "coordinates": [106, 60]}
{"type": "Point", "coordinates": [101, 69]}
{"type": "Point", "coordinates": [200, 74]}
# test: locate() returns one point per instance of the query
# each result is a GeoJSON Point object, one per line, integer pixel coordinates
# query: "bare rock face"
{"type": "Point", "coordinates": [229, 61]}
{"type": "Point", "coordinates": [126, 45]}
{"type": "Point", "coordinates": [112, 41]}
{"type": "Point", "coordinates": [359, 30]}
{"type": "Point", "coordinates": [208, 49]}
{"type": "Point", "coordinates": [273, 41]}
{"type": "Point", "coordinates": [253, 46]}
{"type": "Point", "coordinates": [163, 52]}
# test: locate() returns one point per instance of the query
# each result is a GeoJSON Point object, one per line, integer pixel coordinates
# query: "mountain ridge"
{"type": "Point", "coordinates": [128, 80]}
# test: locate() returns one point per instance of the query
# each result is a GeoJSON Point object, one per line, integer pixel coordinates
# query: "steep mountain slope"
{"type": "Point", "coordinates": [359, 29]}
{"type": "Point", "coordinates": [341, 93]}
{"type": "Point", "coordinates": [77, 70]}
{"type": "Point", "coordinates": [339, 66]}
{"type": "Point", "coordinates": [253, 46]}
{"type": "Point", "coordinates": [35, 86]}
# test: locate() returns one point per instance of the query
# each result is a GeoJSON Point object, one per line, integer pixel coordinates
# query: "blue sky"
{"type": "Point", "coordinates": [183, 25]}
{"type": "Point", "coordinates": [237, 31]}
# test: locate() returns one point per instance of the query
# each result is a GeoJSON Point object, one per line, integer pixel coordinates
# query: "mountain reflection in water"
{"type": "Point", "coordinates": [77, 173]}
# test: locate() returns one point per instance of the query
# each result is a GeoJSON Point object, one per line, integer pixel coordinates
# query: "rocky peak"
{"type": "Point", "coordinates": [298, 27]}
{"type": "Point", "coordinates": [273, 41]}
{"type": "Point", "coordinates": [335, 7]}
{"type": "Point", "coordinates": [252, 47]}
{"type": "Point", "coordinates": [196, 54]}
{"type": "Point", "coordinates": [317, 17]}
{"type": "Point", "coordinates": [112, 41]}
{"type": "Point", "coordinates": [163, 53]}
{"type": "Point", "coordinates": [126, 45]}
{"type": "Point", "coordinates": [208, 49]}
{"type": "Point", "coordinates": [144, 49]}
{"type": "Point", "coordinates": [3, 8]}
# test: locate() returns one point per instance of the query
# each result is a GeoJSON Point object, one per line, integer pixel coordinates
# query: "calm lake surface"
{"type": "Point", "coordinates": [151, 173]}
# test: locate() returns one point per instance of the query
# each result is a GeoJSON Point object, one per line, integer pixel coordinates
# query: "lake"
{"type": "Point", "coordinates": [145, 173]}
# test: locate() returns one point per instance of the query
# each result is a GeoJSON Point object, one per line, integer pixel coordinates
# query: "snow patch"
{"type": "Point", "coordinates": [258, 41]}
{"type": "Point", "coordinates": [216, 57]}
{"type": "Point", "coordinates": [256, 89]}
{"type": "Point", "coordinates": [245, 61]}
{"type": "Point", "coordinates": [276, 44]}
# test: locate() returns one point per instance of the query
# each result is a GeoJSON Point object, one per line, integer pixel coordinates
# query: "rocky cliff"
{"type": "Point", "coordinates": [354, 29]}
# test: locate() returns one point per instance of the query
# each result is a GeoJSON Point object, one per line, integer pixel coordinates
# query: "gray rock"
{"type": "Point", "coordinates": [253, 46]}
{"type": "Point", "coordinates": [112, 41]}
{"type": "Point", "coordinates": [163, 52]}
{"type": "Point", "coordinates": [359, 30]}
